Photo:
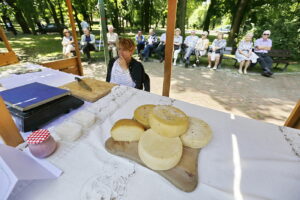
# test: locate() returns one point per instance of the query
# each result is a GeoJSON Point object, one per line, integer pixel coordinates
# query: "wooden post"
{"type": "Point", "coordinates": [8, 129]}
{"type": "Point", "coordinates": [72, 22]}
{"type": "Point", "coordinates": [293, 120]}
{"type": "Point", "coordinates": [9, 57]}
{"type": "Point", "coordinates": [171, 21]}
{"type": "Point", "coordinates": [4, 38]}
{"type": "Point", "coordinates": [104, 32]}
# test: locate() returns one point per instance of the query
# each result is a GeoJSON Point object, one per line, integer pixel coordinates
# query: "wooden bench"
{"type": "Point", "coordinates": [278, 56]}
{"type": "Point", "coordinates": [281, 56]}
{"type": "Point", "coordinates": [227, 54]}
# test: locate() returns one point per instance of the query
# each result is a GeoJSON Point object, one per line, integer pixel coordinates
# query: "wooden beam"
{"type": "Point", "coordinates": [5, 40]}
{"type": "Point", "coordinates": [293, 120]}
{"type": "Point", "coordinates": [68, 65]}
{"type": "Point", "coordinates": [72, 22]}
{"type": "Point", "coordinates": [8, 58]}
{"type": "Point", "coordinates": [171, 21]}
{"type": "Point", "coordinates": [8, 130]}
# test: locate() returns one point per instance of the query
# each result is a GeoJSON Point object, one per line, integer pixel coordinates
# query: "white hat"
{"type": "Point", "coordinates": [267, 32]}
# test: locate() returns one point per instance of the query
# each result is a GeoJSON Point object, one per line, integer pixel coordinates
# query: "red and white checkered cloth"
{"type": "Point", "coordinates": [38, 136]}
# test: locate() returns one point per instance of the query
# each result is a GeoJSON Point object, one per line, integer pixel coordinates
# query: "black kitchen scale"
{"type": "Point", "coordinates": [35, 118]}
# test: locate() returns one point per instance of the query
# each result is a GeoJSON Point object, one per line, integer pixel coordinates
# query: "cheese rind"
{"type": "Point", "coordinates": [168, 121]}
{"type": "Point", "coordinates": [159, 152]}
{"type": "Point", "coordinates": [127, 130]}
{"type": "Point", "coordinates": [141, 114]}
{"type": "Point", "coordinates": [198, 134]}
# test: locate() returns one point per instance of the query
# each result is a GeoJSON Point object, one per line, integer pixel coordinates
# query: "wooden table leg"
{"type": "Point", "coordinates": [8, 130]}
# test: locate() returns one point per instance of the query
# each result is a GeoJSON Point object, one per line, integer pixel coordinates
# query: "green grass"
{"type": "Point", "coordinates": [38, 48]}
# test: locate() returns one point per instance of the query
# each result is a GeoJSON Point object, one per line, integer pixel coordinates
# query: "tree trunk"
{"type": "Point", "coordinates": [19, 17]}
{"type": "Point", "coordinates": [77, 20]}
{"type": "Point", "coordinates": [61, 12]}
{"type": "Point", "coordinates": [181, 16]}
{"type": "Point", "coordinates": [142, 17]}
{"type": "Point", "coordinates": [208, 16]}
{"type": "Point", "coordinates": [237, 20]}
{"type": "Point", "coordinates": [42, 7]}
{"type": "Point", "coordinates": [115, 18]}
{"type": "Point", "coordinates": [54, 14]}
{"type": "Point", "coordinates": [146, 15]}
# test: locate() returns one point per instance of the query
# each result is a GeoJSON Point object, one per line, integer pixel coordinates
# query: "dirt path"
{"type": "Point", "coordinates": [253, 96]}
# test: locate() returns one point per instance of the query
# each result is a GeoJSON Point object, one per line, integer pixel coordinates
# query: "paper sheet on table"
{"type": "Point", "coordinates": [18, 169]}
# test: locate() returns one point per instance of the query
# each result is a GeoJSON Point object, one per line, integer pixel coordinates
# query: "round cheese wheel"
{"type": "Point", "coordinates": [198, 134]}
{"type": "Point", "coordinates": [127, 130]}
{"type": "Point", "coordinates": [141, 114]}
{"type": "Point", "coordinates": [159, 152]}
{"type": "Point", "coordinates": [168, 121]}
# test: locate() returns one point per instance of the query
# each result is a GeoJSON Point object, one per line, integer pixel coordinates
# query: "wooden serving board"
{"type": "Point", "coordinates": [99, 89]}
{"type": "Point", "coordinates": [184, 175]}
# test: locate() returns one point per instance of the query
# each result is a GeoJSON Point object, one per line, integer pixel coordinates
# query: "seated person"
{"type": "Point", "coordinates": [160, 50]}
{"type": "Point", "coordinates": [112, 39]}
{"type": "Point", "coordinates": [140, 41]}
{"type": "Point", "coordinates": [87, 43]}
{"type": "Point", "coordinates": [190, 43]}
{"type": "Point", "coordinates": [215, 50]}
{"type": "Point", "coordinates": [177, 44]}
{"type": "Point", "coordinates": [151, 45]}
{"type": "Point", "coordinates": [125, 70]}
{"type": "Point", "coordinates": [244, 54]}
{"type": "Point", "coordinates": [67, 43]}
{"type": "Point", "coordinates": [262, 47]}
{"type": "Point", "coordinates": [201, 47]}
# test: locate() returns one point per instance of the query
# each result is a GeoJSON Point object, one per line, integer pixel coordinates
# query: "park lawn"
{"type": "Point", "coordinates": [38, 48]}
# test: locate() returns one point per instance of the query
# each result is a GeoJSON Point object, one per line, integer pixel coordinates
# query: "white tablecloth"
{"type": "Point", "coordinates": [246, 159]}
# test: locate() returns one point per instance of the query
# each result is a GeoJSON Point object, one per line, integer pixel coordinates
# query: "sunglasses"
{"type": "Point", "coordinates": [266, 34]}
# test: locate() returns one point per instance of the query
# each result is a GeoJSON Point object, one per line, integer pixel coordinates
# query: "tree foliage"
{"type": "Point", "coordinates": [280, 16]}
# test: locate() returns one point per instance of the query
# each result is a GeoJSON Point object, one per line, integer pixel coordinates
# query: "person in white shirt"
{"type": "Point", "coordinates": [190, 43]}
{"type": "Point", "coordinates": [201, 47]}
{"type": "Point", "coordinates": [160, 50]}
{"type": "Point", "coordinates": [215, 51]}
{"type": "Point", "coordinates": [112, 39]}
{"type": "Point", "coordinates": [177, 44]}
{"type": "Point", "coordinates": [67, 43]}
{"type": "Point", "coordinates": [151, 45]}
{"type": "Point", "coordinates": [87, 43]}
{"type": "Point", "coordinates": [140, 41]}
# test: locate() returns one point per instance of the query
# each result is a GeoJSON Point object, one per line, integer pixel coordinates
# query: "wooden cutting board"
{"type": "Point", "coordinates": [99, 89]}
{"type": "Point", "coordinates": [184, 175]}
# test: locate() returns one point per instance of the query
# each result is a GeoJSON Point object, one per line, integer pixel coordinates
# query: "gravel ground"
{"type": "Point", "coordinates": [252, 95]}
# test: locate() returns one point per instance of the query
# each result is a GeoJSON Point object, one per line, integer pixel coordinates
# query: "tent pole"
{"type": "Point", "coordinates": [72, 22]}
{"type": "Point", "coordinates": [171, 21]}
{"type": "Point", "coordinates": [9, 132]}
{"type": "Point", "coordinates": [4, 38]}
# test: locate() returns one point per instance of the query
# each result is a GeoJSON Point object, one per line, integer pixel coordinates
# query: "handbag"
{"type": "Point", "coordinates": [176, 47]}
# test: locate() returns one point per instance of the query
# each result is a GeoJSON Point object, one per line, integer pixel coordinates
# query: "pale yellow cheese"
{"type": "Point", "coordinates": [198, 135]}
{"type": "Point", "coordinates": [127, 130]}
{"type": "Point", "coordinates": [168, 121]}
{"type": "Point", "coordinates": [159, 152]}
{"type": "Point", "coordinates": [141, 114]}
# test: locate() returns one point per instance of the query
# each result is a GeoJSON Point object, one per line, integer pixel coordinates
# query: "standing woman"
{"type": "Point", "coordinates": [67, 43]}
{"type": "Point", "coordinates": [177, 44]}
{"type": "Point", "coordinates": [215, 51]}
{"type": "Point", "coordinates": [125, 70]}
{"type": "Point", "coordinates": [244, 54]}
